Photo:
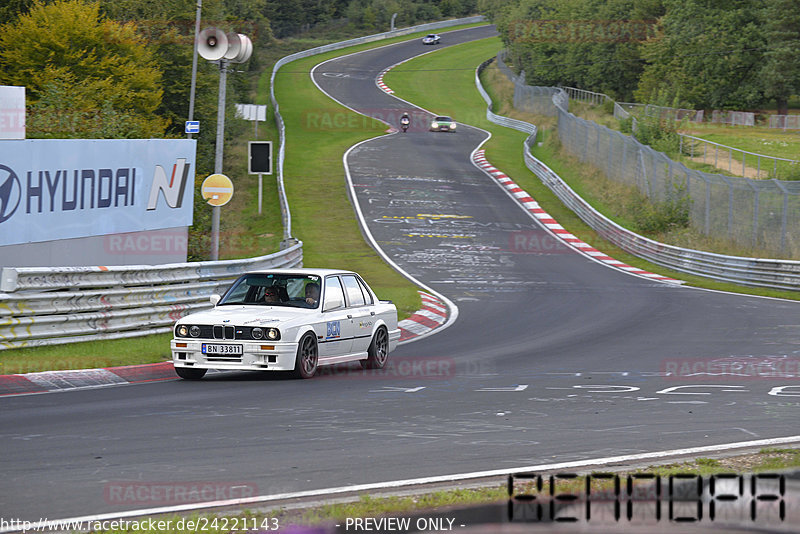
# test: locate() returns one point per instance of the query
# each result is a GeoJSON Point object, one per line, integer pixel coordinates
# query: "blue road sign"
{"type": "Point", "coordinates": [192, 127]}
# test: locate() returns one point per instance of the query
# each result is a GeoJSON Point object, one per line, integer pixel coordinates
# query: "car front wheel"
{"type": "Point", "coordinates": [188, 373]}
{"type": "Point", "coordinates": [378, 351]}
{"type": "Point", "coordinates": [305, 365]}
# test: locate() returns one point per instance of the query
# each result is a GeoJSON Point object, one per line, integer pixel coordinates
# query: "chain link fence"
{"type": "Point", "coordinates": [734, 118]}
{"type": "Point", "coordinates": [763, 214]}
{"type": "Point", "coordinates": [785, 122]}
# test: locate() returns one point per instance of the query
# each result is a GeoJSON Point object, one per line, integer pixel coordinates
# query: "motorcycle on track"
{"type": "Point", "coordinates": [405, 121]}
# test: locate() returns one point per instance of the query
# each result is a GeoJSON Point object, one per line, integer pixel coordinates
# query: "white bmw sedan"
{"type": "Point", "coordinates": [287, 320]}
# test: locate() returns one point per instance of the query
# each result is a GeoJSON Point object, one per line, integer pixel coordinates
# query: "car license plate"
{"type": "Point", "coordinates": [218, 348]}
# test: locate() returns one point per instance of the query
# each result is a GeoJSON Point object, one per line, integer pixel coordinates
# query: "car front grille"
{"type": "Point", "coordinates": [225, 332]}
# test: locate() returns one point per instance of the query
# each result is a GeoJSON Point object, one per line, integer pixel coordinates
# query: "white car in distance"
{"type": "Point", "coordinates": [287, 320]}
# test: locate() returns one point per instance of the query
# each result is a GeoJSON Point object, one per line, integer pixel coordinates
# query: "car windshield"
{"type": "Point", "coordinates": [443, 119]}
{"type": "Point", "coordinates": [431, 36]}
{"type": "Point", "coordinates": [274, 289]}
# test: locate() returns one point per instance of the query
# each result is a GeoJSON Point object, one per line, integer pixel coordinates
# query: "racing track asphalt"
{"type": "Point", "coordinates": [553, 358]}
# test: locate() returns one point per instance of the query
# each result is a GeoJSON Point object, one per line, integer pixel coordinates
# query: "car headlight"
{"type": "Point", "coordinates": [183, 330]}
{"type": "Point", "coordinates": [257, 333]}
{"type": "Point", "coordinates": [194, 331]}
{"type": "Point", "coordinates": [434, 125]}
{"type": "Point", "coordinates": [452, 126]}
{"type": "Point", "coordinates": [273, 334]}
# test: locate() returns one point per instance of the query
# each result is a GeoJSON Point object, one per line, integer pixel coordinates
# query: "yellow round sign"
{"type": "Point", "coordinates": [217, 189]}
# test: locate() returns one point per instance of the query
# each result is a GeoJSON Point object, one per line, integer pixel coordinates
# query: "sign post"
{"type": "Point", "coordinates": [259, 162]}
{"type": "Point", "coordinates": [217, 189]}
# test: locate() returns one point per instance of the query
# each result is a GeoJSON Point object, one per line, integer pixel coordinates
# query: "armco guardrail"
{"type": "Point", "coordinates": [287, 219]}
{"type": "Point", "coordinates": [499, 119]}
{"type": "Point", "coordinates": [781, 274]}
{"type": "Point", "coordinates": [48, 306]}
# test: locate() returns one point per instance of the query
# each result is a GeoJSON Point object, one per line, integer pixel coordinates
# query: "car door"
{"type": "Point", "coordinates": [335, 332]}
{"type": "Point", "coordinates": [360, 308]}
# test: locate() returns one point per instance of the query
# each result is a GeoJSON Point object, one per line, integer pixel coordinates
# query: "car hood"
{"type": "Point", "coordinates": [239, 315]}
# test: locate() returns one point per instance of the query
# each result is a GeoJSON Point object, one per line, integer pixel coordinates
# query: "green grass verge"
{"type": "Point", "coordinates": [87, 355]}
{"type": "Point", "coordinates": [319, 132]}
{"type": "Point", "coordinates": [413, 82]}
{"type": "Point", "coordinates": [766, 460]}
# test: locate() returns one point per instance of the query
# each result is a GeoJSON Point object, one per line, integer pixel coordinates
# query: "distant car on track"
{"type": "Point", "coordinates": [431, 39]}
{"type": "Point", "coordinates": [443, 124]}
{"type": "Point", "coordinates": [287, 320]}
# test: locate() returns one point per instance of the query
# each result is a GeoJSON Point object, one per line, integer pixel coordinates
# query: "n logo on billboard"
{"type": "Point", "coordinates": [172, 188]}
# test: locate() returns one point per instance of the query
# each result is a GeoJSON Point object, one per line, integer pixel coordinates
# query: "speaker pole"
{"type": "Point", "coordinates": [220, 145]}
{"type": "Point", "coordinates": [194, 63]}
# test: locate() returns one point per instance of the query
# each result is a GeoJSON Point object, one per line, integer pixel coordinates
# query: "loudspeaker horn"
{"type": "Point", "coordinates": [240, 47]}
{"type": "Point", "coordinates": [234, 46]}
{"type": "Point", "coordinates": [246, 49]}
{"type": "Point", "coordinates": [212, 44]}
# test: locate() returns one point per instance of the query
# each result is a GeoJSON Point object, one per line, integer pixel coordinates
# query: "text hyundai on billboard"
{"type": "Point", "coordinates": [66, 188]}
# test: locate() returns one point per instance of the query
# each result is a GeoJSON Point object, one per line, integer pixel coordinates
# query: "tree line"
{"type": "Point", "coordinates": [700, 54]}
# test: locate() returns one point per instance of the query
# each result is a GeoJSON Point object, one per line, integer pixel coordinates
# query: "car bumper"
{"type": "Point", "coordinates": [394, 338]}
{"type": "Point", "coordinates": [263, 356]}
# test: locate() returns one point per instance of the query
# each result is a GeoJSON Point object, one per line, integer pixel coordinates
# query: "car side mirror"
{"type": "Point", "coordinates": [333, 303]}
{"type": "Point", "coordinates": [214, 299]}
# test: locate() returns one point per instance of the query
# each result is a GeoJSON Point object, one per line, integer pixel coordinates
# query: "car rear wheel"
{"type": "Point", "coordinates": [188, 373]}
{"type": "Point", "coordinates": [378, 351]}
{"type": "Point", "coordinates": [305, 365]}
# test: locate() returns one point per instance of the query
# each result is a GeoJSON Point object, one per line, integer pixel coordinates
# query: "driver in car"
{"type": "Point", "coordinates": [271, 295]}
{"type": "Point", "coordinates": [312, 295]}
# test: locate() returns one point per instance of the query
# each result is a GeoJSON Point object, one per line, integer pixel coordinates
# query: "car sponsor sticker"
{"type": "Point", "coordinates": [334, 330]}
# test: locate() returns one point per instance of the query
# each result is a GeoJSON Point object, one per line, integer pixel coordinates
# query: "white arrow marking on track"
{"type": "Point", "coordinates": [521, 387]}
{"type": "Point", "coordinates": [394, 389]}
{"type": "Point", "coordinates": [673, 390]}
